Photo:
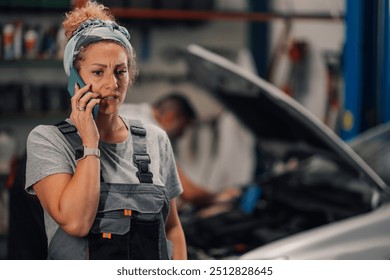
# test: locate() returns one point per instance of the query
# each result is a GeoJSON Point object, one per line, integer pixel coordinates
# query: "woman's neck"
{"type": "Point", "coordinates": [112, 129]}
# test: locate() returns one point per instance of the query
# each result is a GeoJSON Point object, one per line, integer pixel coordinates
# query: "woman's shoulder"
{"type": "Point", "coordinates": [42, 129]}
{"type": "Point", "coordinates": [151, 129]}
{"type": "Point", "coordinates": [49, 128]}
{"type": "Point", "coordinates": [49, 132]}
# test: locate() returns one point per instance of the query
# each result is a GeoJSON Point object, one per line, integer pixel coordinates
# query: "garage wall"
{"type": "Point", "coordinates": [320, 35]}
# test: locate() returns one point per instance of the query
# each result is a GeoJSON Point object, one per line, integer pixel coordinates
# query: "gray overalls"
{"type": "Point", "coordinates": [130, 222]}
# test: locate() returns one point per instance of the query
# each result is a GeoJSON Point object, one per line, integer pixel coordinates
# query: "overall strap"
{"type": "Point", "coordinates": [141, 158]}
{"type": "Point", "coordinates": [70, 133]}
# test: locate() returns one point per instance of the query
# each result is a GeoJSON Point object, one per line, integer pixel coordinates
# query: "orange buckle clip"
{"type": "Point", "coordinates": [106, 235]}
{"type": "Point", "coordinates": [127, 212]}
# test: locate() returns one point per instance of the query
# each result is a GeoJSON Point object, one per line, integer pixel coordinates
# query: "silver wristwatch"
{"type": "Point", "coordinates": [83, 152]}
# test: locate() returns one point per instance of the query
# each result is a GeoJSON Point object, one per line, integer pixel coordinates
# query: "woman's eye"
{"type": "Point", "coordinates": [97, 72]}
{"type": "Point", "coordinates": [121, 72]}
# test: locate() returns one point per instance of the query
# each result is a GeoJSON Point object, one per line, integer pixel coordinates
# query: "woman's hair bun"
{"type": "Point", "coordinates": [91, 10]}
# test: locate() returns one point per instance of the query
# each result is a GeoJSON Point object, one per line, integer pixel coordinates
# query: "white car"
{"type": "Point", "coordinates": [313, 197]}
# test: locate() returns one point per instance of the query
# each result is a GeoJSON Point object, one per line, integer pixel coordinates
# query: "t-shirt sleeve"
{"type": "Point", "coordinates": [46, 155]}
{"type": "Point", "coordinates": [172, 181]}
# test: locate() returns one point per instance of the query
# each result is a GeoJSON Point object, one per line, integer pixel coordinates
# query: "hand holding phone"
{"type": "Point", "coordinates": [75, 78]}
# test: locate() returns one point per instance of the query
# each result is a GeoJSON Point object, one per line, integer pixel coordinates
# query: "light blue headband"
{"type": "Point", "coordinates": [92, 31]}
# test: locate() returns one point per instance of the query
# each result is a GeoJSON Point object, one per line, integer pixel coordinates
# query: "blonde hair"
{"type": "Point", "coordinates": [91, 10]}
{"type": "Point", "coordinates": [94, 10]}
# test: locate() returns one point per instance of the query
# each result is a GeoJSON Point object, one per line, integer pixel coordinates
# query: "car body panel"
{"type": "Point", "coordinates": [361, 237]}
{"type": "Point", "coordinates": [354, 208]}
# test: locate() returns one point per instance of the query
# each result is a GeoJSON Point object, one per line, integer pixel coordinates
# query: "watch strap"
{"type": "Point", "coordinates": [91, 152]}
{"type": "Point", "coordinates": [83, 151]}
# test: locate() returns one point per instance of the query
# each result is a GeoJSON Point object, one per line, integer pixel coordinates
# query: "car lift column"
{"type": "Point", "coordinates": [366, 66]}
{"type": "Point", "coordinates": [351, 117]}
{"type": "Point", "coordinates": [384, 101]}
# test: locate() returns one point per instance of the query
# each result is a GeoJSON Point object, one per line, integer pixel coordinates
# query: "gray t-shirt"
{"type": "Point", "coordinates": [48, 152]}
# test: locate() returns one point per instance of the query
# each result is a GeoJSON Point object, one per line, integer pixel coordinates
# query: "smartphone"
{"type": "Point", "coordinates": [75, 78]}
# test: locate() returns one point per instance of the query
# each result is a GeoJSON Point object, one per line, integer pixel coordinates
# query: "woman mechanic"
{"type": "Point", "coordinates": [96, 205]}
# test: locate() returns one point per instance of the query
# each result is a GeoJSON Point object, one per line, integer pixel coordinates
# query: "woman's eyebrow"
{"type": "Point", "coordinates": [104, 65]}
{"type": "Point", "coordinates": [99, 64]}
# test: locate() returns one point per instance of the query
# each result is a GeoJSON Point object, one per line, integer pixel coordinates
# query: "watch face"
{"type": "Point", "coordinates": [79, 152]}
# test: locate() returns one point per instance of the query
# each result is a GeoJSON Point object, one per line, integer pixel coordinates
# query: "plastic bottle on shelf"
{"type": "Point", "coordinates": [49, 43]}
{"type": "Point", "coordinates": [30, 43]}
{"type": "Point", "coordinates": [8, 41]}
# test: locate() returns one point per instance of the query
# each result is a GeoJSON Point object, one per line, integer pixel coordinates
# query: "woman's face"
{"type": "Point", "coordinates": [105, 67]}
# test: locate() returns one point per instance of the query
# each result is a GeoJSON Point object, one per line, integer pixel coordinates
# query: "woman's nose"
{"type": "Point", "coordinates": [111, 81]}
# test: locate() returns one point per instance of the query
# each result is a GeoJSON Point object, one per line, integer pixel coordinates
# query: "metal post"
{"type": "Point", "coordinates": [259, 38]}
{"type": "Point", "coordinates": [351, 117]}
{"type": "Point", "coordinates": [384, 99]}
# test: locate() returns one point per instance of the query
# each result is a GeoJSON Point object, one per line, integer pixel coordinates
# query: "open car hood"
{"type": "Point", "coordinates": [268, 112]}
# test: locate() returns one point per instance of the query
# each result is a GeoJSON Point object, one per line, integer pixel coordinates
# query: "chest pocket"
{"type": "Point", "coordinates": [130, 223]}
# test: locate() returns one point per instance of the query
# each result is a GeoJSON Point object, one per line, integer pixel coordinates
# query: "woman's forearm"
{"type": "Point", "coordinates": [79, 202]}
{"type": "Point", "coordinates": [175, 233]}
{"type": "Point", "coordinates": [72, 201]}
